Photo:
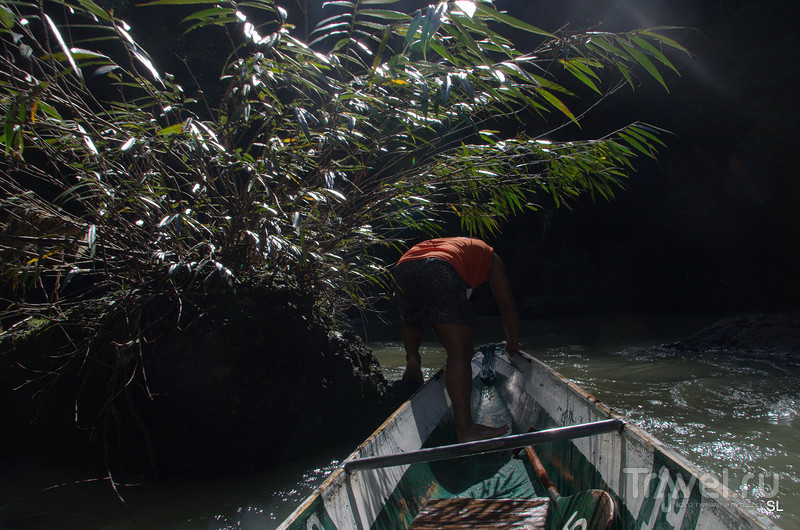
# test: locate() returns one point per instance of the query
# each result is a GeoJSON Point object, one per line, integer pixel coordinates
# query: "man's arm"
{"type": "Point", "coordinates": [501, 289]}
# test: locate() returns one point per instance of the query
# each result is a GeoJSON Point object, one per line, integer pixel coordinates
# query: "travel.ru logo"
{"type": "Point", "coordinates": [671, 495]}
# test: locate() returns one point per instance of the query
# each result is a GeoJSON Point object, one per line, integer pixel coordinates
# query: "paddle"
{"type": "Point", "coordinates": [485, 446]}
{"type": "Point", "coordinates": [593, 509]}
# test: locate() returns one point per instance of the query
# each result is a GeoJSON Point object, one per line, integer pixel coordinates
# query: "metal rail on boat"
{"type": "Point", "coordinates": [491, 445]}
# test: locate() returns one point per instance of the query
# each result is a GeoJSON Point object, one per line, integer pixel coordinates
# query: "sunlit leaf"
{"type": "Point", "coordinates": [467, 6]}
{"type": "Point", "coordinates": [80, 53]}
{"type": "Point", "coordinates": [383, 14]}
{"type": "Point", "coordinates": [493, 14]}
{"type": "Point", "coordinates": [96, 10]}
{"type": "Point", "coordinates": [63, 45]}
{"type": "Point", "coordinates": [334, 22]}
{"type": "Point", "coordinates": [105, 69]}
{"type": "Point", "coordinates": [467, 85]}
{"type": "Point", "coordinates": [91, 239]}
{"type": "Point", "coordinates": [146, 62]}
{"type": "Point", "coordinates": [445, 92]}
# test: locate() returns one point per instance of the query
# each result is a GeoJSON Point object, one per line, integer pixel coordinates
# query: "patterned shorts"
{"type": "Point", "coordinates": [431, 290]}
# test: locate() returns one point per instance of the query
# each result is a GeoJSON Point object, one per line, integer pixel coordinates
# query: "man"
{"type": "Point", "coordinates": [434, 281]}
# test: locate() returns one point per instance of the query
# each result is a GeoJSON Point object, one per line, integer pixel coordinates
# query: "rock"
{"type": "Point", "coordinates": [756, 335]}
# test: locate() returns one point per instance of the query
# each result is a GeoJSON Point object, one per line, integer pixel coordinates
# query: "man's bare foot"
{"type": "Point", "coordinates": [481, 432]}
{"type": "Point", "coordinates": [413, 373]}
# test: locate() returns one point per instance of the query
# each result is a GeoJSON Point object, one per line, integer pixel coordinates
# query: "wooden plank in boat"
{"type": "Point", "coordinates": [482, 513]}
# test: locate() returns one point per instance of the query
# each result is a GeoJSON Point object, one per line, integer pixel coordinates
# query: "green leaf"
{"type": "Point", "coordinates": [648, 65]}
{"type": "Point", "coordinates": [580, 75]}
{"type": "Point", "coordinates": [444, 52]}
{"type": "Point", "coordinates": [648, 131]}
{"type": "Point", "coordinates": [601, 41]}
{"type": "Point", "coordinates": [384, 14]}
{"type": "Point", "coordinates": [344, 3]}
{"type": "Point", "coordinates": [654, 52]}
{"type": "Point", "coordinates": [636, 144]}
{"type": "Point", "coordinates": [80, 53]}
{"type": "Point", "coordinates": [7, 17]}
{"type": "Point", "coordinates": [50, 111]}
{"type": "Point", "coordinates": [342, 19]}
{"type": "Point", "coordinates": [381, 48]}
{"type": "Point", "coordinates": [213, 13]}
{"type": "Point", "coordinates": [626, 74]}
{"type": "Point", "coordinates": [300, 114]}
{"type": "Point", "coordinates": [331, 28]}
{"type": "Point", "coordinates": [412, 30]}
{"type": "Point", "coordinates": [10, 123]}
{"type": "Point", "coordinates": [557, 103]}
{"type": "Point", "coordinates": [96, 10]}
{"type": "Point", "coordinates": [426, 26]}
{"type": "Point", "coordinates": [464, 35]}
{"type": "Point", "coordinates": [176, 2]}
{"type": "Point", "coordinates": [663, 39]}
{"type": "Point", "coordinates": [171, 130]}
{"type": "Point", "coordinates": [339, 44]}
{"type": "Point", "coordinates": [493, 14]}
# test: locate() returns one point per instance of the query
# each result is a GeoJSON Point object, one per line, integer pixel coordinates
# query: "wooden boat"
{"type": "Point", "coordinates": [411, 473]}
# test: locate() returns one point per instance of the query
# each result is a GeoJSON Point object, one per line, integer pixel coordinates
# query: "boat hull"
{"type": "Point", "coordinates": [653, 487]}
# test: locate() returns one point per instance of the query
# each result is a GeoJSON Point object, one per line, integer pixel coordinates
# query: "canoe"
{"type": "Point", "coordinates": [411, 473]}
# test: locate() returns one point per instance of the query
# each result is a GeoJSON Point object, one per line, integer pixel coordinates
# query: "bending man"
{"type": "Point", "coordinates": [434, 281]}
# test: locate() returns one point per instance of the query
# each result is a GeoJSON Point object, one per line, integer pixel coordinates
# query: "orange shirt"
{"type": "Point", "coordinates": [472, 258]}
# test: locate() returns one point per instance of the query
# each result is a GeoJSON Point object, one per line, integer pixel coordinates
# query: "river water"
{"type": "Point", "coordinates": [735, 417]}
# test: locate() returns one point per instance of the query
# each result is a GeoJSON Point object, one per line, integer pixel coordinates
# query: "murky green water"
{"type": "Point", "coordinates": [738, 418]}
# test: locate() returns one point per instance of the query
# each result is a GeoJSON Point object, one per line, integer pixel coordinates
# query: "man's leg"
{"type": "Point", "coordinates": [412, 338]}
{"type": "Point", "coordinates": [457, 340]}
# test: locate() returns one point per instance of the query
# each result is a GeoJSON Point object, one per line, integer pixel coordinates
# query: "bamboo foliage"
{"type": "Point", "coordinates": [317, 153]}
